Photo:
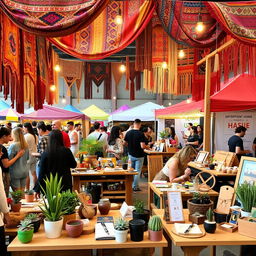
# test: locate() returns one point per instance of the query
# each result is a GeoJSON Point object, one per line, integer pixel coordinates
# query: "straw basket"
{"type": "Point", "coordinates": [201, 208]}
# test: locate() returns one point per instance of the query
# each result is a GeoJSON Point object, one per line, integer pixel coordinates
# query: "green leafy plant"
{"type": "Point", "coordinates": [199, 198]}
{"type": "Point", "coordinates": [29, 192]}
{"type": "Point", "coordinates": [91, 146]}
{"type": "Point", "coordinates": [32, 217]}
{"type": "Point", "coordinates": [164, 134]}
{"type": "Point", "coordinates": [53, 201]}
{"type": "Point", "coordinates": [17, 196]}
{"type": "Point", "coordinates": [155, 223]}
{"type": "Point", "coordinates": [124, 159]}
{"type": "Point", "coordinates": [139, 206]}
{"type": "Point", "coordinates": [209, 215]}
{"type": "Point", "coordinates": [121, 224]}
{"type": "Point", "coordinates": [72, 201]}
{"type": "Point", "coordinates": [25, 225]}
{"type": "Point", "coordinates": [246, 194]}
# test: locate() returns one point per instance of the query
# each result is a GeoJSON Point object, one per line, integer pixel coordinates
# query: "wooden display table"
{"type": "Point", "coordinates": [186, 194]}
{"type": "Point", "coordinates": [80, 175]}
{"type": "Point", "coordinates": [168, 154]}
{"type": "Point", "coordinates": [192, 247]}
{"type": "Point", "coordinates": [47, 246]}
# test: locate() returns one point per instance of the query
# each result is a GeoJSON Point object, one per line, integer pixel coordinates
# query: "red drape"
{"type": "Point", "coordinates": [103, 37]}
{"type": "Point", "coordinates": [52, 17]}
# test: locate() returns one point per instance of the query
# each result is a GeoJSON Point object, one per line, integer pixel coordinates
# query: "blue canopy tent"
{"type": "Point", "coordinates": [73, 109]}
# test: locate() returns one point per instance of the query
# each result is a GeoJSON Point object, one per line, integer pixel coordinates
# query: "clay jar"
{"type": "Point", "coordinates": [104, 206]}
{"type": "Point", "coordinates": [74, 228]}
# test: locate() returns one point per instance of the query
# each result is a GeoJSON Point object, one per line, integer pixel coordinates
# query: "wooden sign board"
{"type": "Point", "coordinates": [229, 158]}
{"type": "Point", "coordinates": [225, 199]}
{"type": "Point", "coordinates": [173, 208]}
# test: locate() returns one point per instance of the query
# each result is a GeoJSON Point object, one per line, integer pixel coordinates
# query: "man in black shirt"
{"type": "Point", "coordinates": [236, 144]}
{"type": "Point", "coordinates": [135, 140]}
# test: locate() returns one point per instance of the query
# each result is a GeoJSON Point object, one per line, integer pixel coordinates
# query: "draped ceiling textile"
{"type": "Point", "coordinates": [103, 37]}
{"type": "Point", "coordinates": [52, 17]}
{"type": "Point", "coordinates": [179, 20]}
{"type": "Point", "coordinates": [237, 18]}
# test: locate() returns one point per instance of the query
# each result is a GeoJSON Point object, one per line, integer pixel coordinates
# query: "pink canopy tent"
{"type": "Point", "coordinates": [121, 109]}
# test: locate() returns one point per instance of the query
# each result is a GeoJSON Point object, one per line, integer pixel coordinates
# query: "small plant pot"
{"type": "Point", "coordinates": [68, 217]}
{"type": "Point", "coordinates": [210, 226]}
{"type": "Point", "coordinates": [29, 198]}
{"type": "Point", "coordinates": [53, 228]}
{"type": "Point", "coordinates": [201, 208]}
{"type": "Point", "coordinates": [121, 236]}
{"type": "Point", "coordinates": [155, 235]}
{"type": "Point", "coordinates": [36, 224]}
{"type": "Point", "coordinates": [25, 236]}
{"type": "Point", "coordinates": [137, 229]}
{"type": "Point", "coordinates": [125, 166]}
{"type": "Point", "coordinates": [15, 207]}
{"type": "Point", "coordinates": [74, 228]}
{"type": "Point", "coordinates": [211, 166]}
{"type": "Point", "coordinates": [142, 216]}
{"type": "Point", "coordinates": [81, 165]}
{"type": "Point", "coordinates": [221, 217]}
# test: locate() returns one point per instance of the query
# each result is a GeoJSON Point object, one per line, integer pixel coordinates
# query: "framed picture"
{"type": "Point", "coordinates": [173, 208]}
{"type": "Point", "coordinates": [201, 156]}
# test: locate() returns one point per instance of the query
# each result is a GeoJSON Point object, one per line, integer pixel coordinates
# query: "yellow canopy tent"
{"type": "Point", "coordinates": [95, 113]}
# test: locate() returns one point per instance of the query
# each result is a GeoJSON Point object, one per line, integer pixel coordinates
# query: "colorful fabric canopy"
{"type": "Point", "coordinates": [52, 17]}
{"type": "Point", "coordinates": [121, 109]}
{"type": "Point", "coordinates": [4, 105]}
{"type": "Point", "coordinates": [95, 113]}
{"type": "Point", "coordinates": [237, 18]}
{"type": "Point", "coordinates": [72, 109]}
{"type": "Point", "coordinates": [9, 114]}
{"type": "Point", "coordinates": [179, 19]}
{"type": "Point", "coordinates": [103, 37]}
{"type": "Point", "coordinates": [53, 113]}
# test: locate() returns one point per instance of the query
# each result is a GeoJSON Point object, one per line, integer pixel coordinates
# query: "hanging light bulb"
{"type": "Point", "coordinates": [181, 54]}
{"type": "Point", "coordinates": [122, 68]}
{"type": "Point", "coordinates": [114, 98]}
{"type": "Point", "coordinates": [188, 100]}
{"type": "Point", "coordinates": [119, 18]}
{"type": "Point", "coordinates": [53, 88]}
{"type": "Point", "coordinates": [200, 27]}
{"type": "Point", "coordinates": [63, 100]}
{"type": "Point", "coordinates": [57, 68]}
{"type": "Point", "coordinates": [169, 103]}
{"type": "Point", "coordinates": [164, 65]}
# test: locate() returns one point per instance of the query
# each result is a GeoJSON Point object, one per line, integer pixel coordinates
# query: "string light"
{"type": "Point", "coordinates": [114, 98]}
{"type": "Point", "coordinates": [188, 100]}
{"type": "Point", "coordinates": [119, 18]}
{"type": "Point", "coordinates": [122, 68]}
{"type": "Point", "coordinates": [169, 103]}
{"type": "Point", "coordinates": [181, 54]}
{"type": "Point", "coordinates": [53, 88]}
{"type": "Point", "coordinates": [57, 68]}
{"type": "Point", "coordinates": [164, 65]}
{"type": "Point", "coordinates": [63, 100]}
{"type": "Point", "coordinates": [199, 27]}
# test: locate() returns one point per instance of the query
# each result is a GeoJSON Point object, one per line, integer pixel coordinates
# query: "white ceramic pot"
{"type": "Point", "coordinates": [53, 228]}
{"type": "Point", "coordinates": [121, 236]}
{"type": "Point", "coordinates": [245, 214]}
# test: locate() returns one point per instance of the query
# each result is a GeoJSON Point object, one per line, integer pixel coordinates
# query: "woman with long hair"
{"type": "Point", "coordinates": [200, 132]}
{"type": "Point", "coordinates": [19, 170]}
{"type": "Point", "coordinates": [176, 169]}
{"type": "Point", "coordinates": [56, 159]}
{"type": "Point", "coordinates": [32, 141]}
{"type": "Point", "coordinates": [193, 138]}
{"type": "Point", "coordinates": [173, 137]}
{"type": "Point", "coordinates": [115, 146]}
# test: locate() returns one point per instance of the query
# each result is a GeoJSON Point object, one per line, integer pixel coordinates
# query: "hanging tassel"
{"type": "Point", "coordinates": [216, 63]}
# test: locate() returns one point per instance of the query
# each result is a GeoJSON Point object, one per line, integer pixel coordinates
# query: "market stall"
{"type": "Point", "coordinates": [72, 109]}
{"type": "Point", "coordinates": [95, 113]}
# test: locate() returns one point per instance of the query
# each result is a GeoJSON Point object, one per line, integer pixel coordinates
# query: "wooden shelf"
{"type": "Point", "coordinates": [100, 181]}
{"type": "Point", "coordinates": [114, 197]}
{"type": "Point", "coordinates": [113, 192]}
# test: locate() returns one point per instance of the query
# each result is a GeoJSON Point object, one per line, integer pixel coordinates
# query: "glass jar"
{"type": "Point", "coordinates": [104, 206]}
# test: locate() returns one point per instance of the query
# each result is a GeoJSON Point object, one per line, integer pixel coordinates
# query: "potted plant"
{"type": "Point", "coordinates": [16, 197]}
{"type": "Point", "coordinates": [29, 196]}
{"type": "Point", "coordinates": [246, 194]}
{"type": "Point", "coordinates": [74, 228]}
{"type": "Point", "coordinates": [199, 203]}
{"type": "Point", "coordinates": [121, 230]}
{"type": "Point", "coordinates": [211, 163]}
{"type": "Point", "coordinates": [35, 220]}
{"type": "Point", "coordinates": [70, 208]}
{"type": "Point", "coordinates": [155, 228]}
{"type": "Point", "coordinates": [137, 227]}
{"type": "Point", "coordinates": [164, 135]}
{"type": "Point", "coordinates": [25, 231]}
{"type": "Point", "coordinates": [125, 162]}
{"type": "Point", "coordinates": [53, 206]}
{"type": "Point", "coordinates": [209, 223]}
{"type": "Point", "coordinates": [141, 213]}
{"type": "Point", "coordinates": [81, 160]}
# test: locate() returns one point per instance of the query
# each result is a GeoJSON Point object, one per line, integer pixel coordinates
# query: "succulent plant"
{"type": "Point", "coordinates": [32, 217]}
{"type": "Point", "coordinates": [25, 225]}
{"type": "Point", "coordinates": [139, 206]}
{"type": "Point", "coordinates": [17, 196]}
{"type": "Point", "coordinates": [155, 223]}
{"type": "Point", "coordinates": [121, 224]}
{"type": "Point", "coordinates": [209, 215]}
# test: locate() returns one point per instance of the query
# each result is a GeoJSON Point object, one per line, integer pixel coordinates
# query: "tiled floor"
{"type": "Point", "coordinates": [143, 195]}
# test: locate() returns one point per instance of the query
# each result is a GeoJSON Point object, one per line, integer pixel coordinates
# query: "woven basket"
{"type": "Point", "coordinates": [201, 208]}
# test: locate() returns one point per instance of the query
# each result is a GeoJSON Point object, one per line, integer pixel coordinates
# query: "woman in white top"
{"type": "Point", "coordinates": [115, 146]}
{"type": "Point", "coordinates": [176, 169]}
{"type": "Point", "coordinates": [32, 141]}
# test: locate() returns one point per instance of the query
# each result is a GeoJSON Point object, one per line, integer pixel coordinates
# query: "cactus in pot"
{"type": "Point", "coordinates": [209, 223]}
{"type": "Point", "coordinates": [155, 228]}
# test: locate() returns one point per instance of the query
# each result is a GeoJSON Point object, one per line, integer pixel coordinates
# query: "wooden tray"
{"type": "Point", "coordinates": [188, 236]}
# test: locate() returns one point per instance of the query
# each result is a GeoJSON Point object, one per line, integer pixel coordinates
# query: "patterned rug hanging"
{"type": "Point", "coordinates": [52, 17]}
{"type": "Point", "coordinates": [179, 19]}
{"type": "Point", "coordinates": [97, 73]}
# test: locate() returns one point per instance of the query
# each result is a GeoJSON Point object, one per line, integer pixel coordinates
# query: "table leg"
{"type": "Point", "coordinates": [128, 189]}
{"type": "Point", "coordinates": [192, 250]}
{"type": "Point", "coordinates": [76, 183]}
{"type": "Point", "coordinates": [213, 250]}
{"type": "Point", "coordinates": [166, 251]}
{"type": "Point", "coordinates": [150, 197]}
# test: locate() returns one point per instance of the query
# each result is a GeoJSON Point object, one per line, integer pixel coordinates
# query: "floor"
{"type": "Point", "coordinates": [142, 195]}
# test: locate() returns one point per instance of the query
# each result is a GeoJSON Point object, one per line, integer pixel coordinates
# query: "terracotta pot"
{"type": "Point", "coordinates": [74, 228]}
{"type": "Point", "coordinates": [104, 206]}
{"type": "Point", "coordinates": [81, 165]}
{"type": "Point", "coordinates": [16, 207]}
{"type": "Point", "coordinates": [68, 217]}
{"type": "Point", "coordinates": [155, 235]}
{"type": "Point", "coordinates": [29, 198]}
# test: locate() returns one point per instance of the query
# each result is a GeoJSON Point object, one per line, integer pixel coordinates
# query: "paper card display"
{"type": "Point", "coordinates": [201, 156]}
{"type": "Point", "coordinates": [126, 210]}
